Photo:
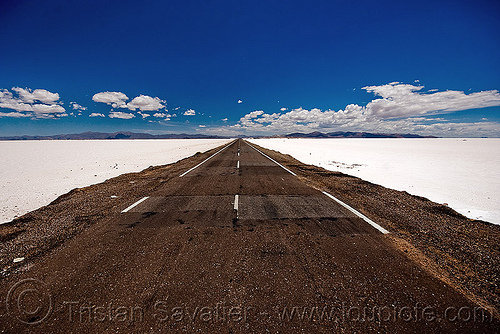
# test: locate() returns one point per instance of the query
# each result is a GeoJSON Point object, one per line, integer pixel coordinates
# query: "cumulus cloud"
{"type": "Point", "coordinates": [119, 100]}
{"type": "Point", "coordinates": [13, 114]}
{"type": "Point", "coordinates": [403, 100]}
{"type": "Point", "coordinates": [162, 115]}
{"type": "Point", "coordinates": [239, 101]}
{"type": "Point", "coordinates": [76, 106]}
{"type": "Point", "coordinates": [114, 99]}
{"type": "Point", "coordinates": [189, 112]}
{"type": "Point", "coordinates": [144, 102]}
{"type": "Point", "coordinates": [202, 126]}
{"type": "Point", "coordinates": [96, 114]}
{"type": "Point", "coordinates": [400, 108]}
{"type": "Point", "coordinates": [38, 103]}
{"type": "Point", "coordinates": [122, 115]}
{"type": "Point", "coordinates": [31, 96]}
{"type": "Point", "coordinates": [47, 109]}
{"type": "Point", "coordinates": [283, 109]}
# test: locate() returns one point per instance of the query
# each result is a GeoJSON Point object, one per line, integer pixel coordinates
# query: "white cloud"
{"type": "Point", "coordinates": [224, 119]}
{"type": "Point", "coordinates": [96, 114]}
{"type": "Point", "coordinates": [31, 96]}
{"type": "Point", "coordinates": [247, 119]}
{"type": "Point", "coordinates": [13, 114]}
{"type": "Point", "coordinates": [114, 99]}
{"type": "Point", "coordinates": [403, 100]}
{"type": "Point", "coordinates": [202, 126]}
{"type": "Point", "coordinates": [283, 109]}
{"type": "Point", "coordinates": [144, 115]}
{"type": "Point", "coordinates": [122, 115]}
{"type": "Point", "coordinates": [76, 106]}
{"type": "Point", "coordinates": [189, 112]}
{"type": "Point", "coordinates": [239, 101]}
{"type": "Point", "coordinates": [144, 102]}
{"type": "Point", "coordinates": [400, 109]}
{"type": "Point", "coordinates": [47, 109]}
{"type": "Point", "coordinates": [119, 100]}
{"type": "Point", "coordinates": [38, 103]}
{"type": "Point", "coordinates": [162, 115]}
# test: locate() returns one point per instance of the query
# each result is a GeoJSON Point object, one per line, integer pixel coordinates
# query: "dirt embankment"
{"type": "Point", "coordinates": [41, 230]}
{"type": "Point", "coordinates": [462, 252]}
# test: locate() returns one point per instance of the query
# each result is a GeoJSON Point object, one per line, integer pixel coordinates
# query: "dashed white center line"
{"type": "Point", "coordinates": [236, 198]}
{"type": "Point", "coordinates": [135, 204]}
{"type": "Point", "coordinates": [238, 164]}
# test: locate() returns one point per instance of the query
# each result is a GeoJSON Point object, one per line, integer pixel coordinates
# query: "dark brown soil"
{"type": "Point", "coordinates": [39, 231]}
{"type": "Point", "coordinates": [462, 252]}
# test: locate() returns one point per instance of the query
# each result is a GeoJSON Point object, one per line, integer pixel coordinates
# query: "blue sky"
{"type": "Point", "coordinates": [250, 67]}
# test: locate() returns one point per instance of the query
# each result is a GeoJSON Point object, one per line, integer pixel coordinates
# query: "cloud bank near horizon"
{"type": "Point", "coordinates": [396, 108]}
{"type": "Point", "coordinates": [399, 108]}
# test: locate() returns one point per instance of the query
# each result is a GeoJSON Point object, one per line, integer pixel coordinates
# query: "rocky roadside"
{"type": "Point", "coordinates": [41, 230]}
{"type": "Point", "coordinates": [464, 253]}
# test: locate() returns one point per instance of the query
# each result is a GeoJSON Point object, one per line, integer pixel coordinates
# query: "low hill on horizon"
{"type": "Point", "coordinates": [89, 135]}
{"type": "Point", "coordinates": [115, 135]}
{"type": "Point", "coordinates": [341, 134]}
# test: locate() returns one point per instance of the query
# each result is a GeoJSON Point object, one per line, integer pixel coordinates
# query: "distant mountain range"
{"type": "Point", "coordinates": [114, 135]}
{"type": "Point", "coordinates": [340, 134]}
{"type": "Point", "coordinates": [134, 135]}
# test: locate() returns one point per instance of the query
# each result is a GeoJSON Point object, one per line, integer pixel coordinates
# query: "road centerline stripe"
{"type": "Point", "coordinates": [236, 199]}
{"type": "Point", "coordinates": [357, 213]}
{"type": "Point", "coordinates": [289, 171]}
{"type": "Point", "coordinates": [201, 163]}
{"type": "Point", "coordinates": [238, 164]}
{"type": "Point", "coordinates": [135, 204]}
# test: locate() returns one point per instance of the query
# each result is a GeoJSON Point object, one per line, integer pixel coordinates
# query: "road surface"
{"type": "Point", "coordinates": [235, 244]}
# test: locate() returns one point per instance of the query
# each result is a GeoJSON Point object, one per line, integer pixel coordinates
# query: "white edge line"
{"type": "Point", "coordinates": [198, 165]}
{"type": "Point", "coordinates": [236, 197]}
{"type": "Point", "coordinates": [136, 203]}
{"type": "Point", "coordinates": [289, 171]}
{"type": "Point", "coordinates": [359, 214]}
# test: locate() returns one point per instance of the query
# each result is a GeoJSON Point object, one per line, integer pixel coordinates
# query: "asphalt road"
{"type": "Point", "coordinates": [237, 244]}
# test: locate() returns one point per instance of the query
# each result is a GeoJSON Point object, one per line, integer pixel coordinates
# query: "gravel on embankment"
{"type": "Point", "coordinates": [41, 230]}
{"type": "Point", "coordinates": [462, 252]}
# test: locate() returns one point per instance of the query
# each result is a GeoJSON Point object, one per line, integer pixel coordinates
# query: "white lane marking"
{"type": "Point", "coordinates": [236, 197]}
{"type": "Point", "coordinates": [136, 203]}
{"type": "Point", "coordinates": [198, 165]}
{"type": "Point", "coordinates": [289, 171]}
{"type": "Point", "coordinates": [238, 164]}
{"type": "Point", "coordinates": [238, 153]}
{"type": "Point", "coordinates": [357, 213]}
